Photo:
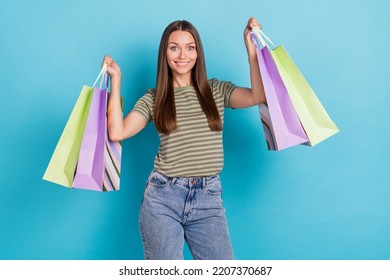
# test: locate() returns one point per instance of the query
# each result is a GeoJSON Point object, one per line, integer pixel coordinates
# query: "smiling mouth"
{"type": "Point", "coordinates": [181, 63]}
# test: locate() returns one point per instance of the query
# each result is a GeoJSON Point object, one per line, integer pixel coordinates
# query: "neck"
{"type": "Point", "coordinates": [179, 81]}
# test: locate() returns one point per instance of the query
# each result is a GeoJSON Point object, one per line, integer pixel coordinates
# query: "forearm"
{"type": "Point", "coordinates": [115, 122]}
{"type": "Point", "coordinates": [243, 97]}
{"type": "Point", "coordinates": [257, 89]}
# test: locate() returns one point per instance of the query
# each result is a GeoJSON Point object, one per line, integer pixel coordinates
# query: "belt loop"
{"type": "Point", "coordinates": [203, 182]}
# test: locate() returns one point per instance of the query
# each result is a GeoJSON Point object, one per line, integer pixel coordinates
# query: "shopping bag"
{"type": "Point", "coordinates": [315, 120]}
{"type": "Point", "coordinates": [280, 121]}
{"type": "Point", "coordinates": [313, 116]}
{"type": "Point", "coordinates": [62, 165]}
{"type": "Point", "coordinates": [99, 161]}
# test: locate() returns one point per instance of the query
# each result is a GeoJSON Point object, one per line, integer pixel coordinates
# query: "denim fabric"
{"type": "Point", "coordinates": [178, 209]}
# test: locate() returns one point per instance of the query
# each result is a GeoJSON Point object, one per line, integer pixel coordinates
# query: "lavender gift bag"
{"type": "Point", "coordinates": [98, 166]}
{"type": "Point", "coordinates": [280, 121]}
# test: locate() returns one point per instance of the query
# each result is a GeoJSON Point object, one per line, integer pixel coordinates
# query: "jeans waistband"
{"type": "Point", "coordinates": [190, 181]}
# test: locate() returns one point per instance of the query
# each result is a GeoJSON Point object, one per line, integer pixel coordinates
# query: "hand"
{"type": "Point", "coordinates": [247, 36]}
{"type": "Point", "coordinates": [112, 68]}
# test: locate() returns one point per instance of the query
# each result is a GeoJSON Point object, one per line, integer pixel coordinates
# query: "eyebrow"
{"type": "Point", "coordinates": [178, 44]}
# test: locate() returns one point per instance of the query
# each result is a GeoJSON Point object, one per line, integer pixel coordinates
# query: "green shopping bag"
{"type": "Point", "coordinates": [315, 120]}
{"type": "Point", "coordinates": [63, 162]}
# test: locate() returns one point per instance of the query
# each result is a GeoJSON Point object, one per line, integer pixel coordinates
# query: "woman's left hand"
{"type": "Point", "coordinates": [247, 36]}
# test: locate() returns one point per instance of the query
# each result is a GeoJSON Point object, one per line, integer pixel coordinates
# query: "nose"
{"type": "Point", "coordinates": [182, 54]}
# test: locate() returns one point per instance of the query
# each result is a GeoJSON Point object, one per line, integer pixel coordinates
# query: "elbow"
{"type": "Point", "coordinates": [258, 96]}
{"type": "Point", "coordinates": [261, 97]}
{"type": "Point", "coordinates": [114, 136]}
{"type": "Point", "coordinates": [260, 100]}
{"type": "Point", "coordinates": [263, 100]}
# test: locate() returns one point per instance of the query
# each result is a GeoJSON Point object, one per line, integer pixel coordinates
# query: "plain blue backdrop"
{"type": "Point", "coordinates": [327, 202]}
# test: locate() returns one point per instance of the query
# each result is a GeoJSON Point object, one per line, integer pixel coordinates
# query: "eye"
{"type": "Point", "coordinates": [191, 48]}
{"type": "Point", "coordinates": [174, 48]}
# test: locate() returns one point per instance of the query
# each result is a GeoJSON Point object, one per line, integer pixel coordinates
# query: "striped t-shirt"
{"type": "Point", "coordinates": [193, 149]}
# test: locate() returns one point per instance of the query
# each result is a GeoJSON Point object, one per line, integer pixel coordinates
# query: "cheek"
{"type": "Point", "coordinates": [170, 55]}
{"type": "Point", "coordinates": [170, 58]}
{"type": "Point", "coordinates": [194, 56]}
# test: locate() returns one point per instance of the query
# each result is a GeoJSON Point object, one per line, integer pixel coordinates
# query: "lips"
{"type": "Point", "coordinates": [181, 63]}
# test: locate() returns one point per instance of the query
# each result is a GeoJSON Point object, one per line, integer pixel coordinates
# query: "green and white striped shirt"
{"type": "Point", "coordinates": [193, 150]}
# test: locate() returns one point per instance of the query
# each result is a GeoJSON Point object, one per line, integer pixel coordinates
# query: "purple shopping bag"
{"type": "Point", "coordinates": [280, 121]}
{"type": "Point", "coordinates": [99, 161]}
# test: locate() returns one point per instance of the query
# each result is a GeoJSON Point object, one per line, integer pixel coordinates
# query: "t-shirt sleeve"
{"type": "Point", "coordinates": [225, 88]}
{"type": "Point", "coordinates": [144, 105]}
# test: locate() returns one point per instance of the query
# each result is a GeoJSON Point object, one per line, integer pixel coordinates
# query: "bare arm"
{"type": "Point", "coordinates": [247, 97]}
{"type": "Point", "coordinates": [119, 128]}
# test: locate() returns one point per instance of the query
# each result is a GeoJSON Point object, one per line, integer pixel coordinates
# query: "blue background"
{"type": "Point", "coordinates": [327, 202]}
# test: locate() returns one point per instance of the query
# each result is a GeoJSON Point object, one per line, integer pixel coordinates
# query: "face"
{"type": "Point", "coordinates": [181, 53]}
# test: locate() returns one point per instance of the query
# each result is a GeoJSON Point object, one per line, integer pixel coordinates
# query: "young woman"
{"type": "Point", "coordinates": [182, 199]}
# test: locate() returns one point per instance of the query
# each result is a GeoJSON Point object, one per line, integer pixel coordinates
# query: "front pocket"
{"type": "Point", "coordinates": [158, 180]}
{"type": "Point", "coordinates": [214, 186]}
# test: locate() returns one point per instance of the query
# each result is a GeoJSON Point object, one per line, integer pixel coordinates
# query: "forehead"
{"type": "Point", "coordinates": [181, 37]}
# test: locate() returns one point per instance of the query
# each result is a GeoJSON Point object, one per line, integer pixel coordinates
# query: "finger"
{"type": "Point", "coordinates": [106, 60]}
{"type": "Point", "coordinates": [254, 22]}
{"type": "Point", "coordinates": [258, 25]}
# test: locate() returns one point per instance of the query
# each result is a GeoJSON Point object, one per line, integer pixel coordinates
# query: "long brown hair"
{"type": "Point", "coordinates": [164, 106]}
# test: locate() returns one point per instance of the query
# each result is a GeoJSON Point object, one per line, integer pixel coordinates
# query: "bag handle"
{"type": "Point", "coordinates": [103, 72]}
{"type": "Point", "coordinates": [104, 80]}
{"type": "Point", "coordinates": [258, 37]}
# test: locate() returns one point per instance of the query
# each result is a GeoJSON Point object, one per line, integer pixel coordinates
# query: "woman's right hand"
{"type": "Point", "coordinates": [113, 69]}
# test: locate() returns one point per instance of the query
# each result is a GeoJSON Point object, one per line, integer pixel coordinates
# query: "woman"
{"type": "Point", "coordinates": [182, 198]}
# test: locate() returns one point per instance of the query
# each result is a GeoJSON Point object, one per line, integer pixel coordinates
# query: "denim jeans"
{"type": "Point", "coordinates": [175, 209]}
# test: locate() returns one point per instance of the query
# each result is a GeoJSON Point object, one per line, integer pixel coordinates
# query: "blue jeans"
{"type": "Point", "coordinates": [175, 209]}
